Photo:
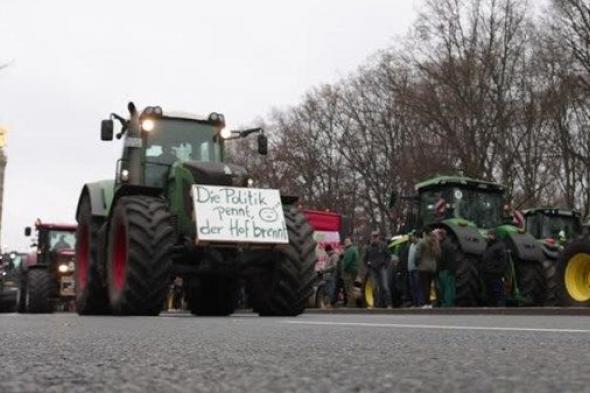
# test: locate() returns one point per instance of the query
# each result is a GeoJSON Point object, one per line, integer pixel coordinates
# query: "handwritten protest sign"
{"type": "Point", "coordinates": [234, 214]}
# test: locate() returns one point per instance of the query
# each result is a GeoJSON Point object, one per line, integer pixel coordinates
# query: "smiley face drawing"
{"type": "Point", "coordinates": [268, 214]}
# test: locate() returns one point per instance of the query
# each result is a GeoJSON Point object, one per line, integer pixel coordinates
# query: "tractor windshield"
{"type": "Point", "coordinates": [433, 205]}
{"type": "Point", "coordinates": [482, 207]}
{"type": "Point", "coordinates": [559, 227]}
{"type": "Point", "coordinates": [61, 240]}
{"type": "Point", "coordinates": [173, 140]}
{"type": "Point", "coordinates": [182, 140]}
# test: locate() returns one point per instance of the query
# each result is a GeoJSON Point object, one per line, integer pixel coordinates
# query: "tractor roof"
{"type": "Point", "coordinates": [458, 181]}
{"type": "Point", "coordinates": [552, 211]}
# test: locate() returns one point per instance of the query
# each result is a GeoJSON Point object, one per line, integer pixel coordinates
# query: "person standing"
{"type": "Point", "coordinates": [447, 268]}
{"type": "Point", "coordinates": [350, 269]}
{"type": "Point", "coordinates": [413, 280]}
{"type": "Point", "coordinates": [428, 251]}
{"type": "Point", "coordinates": [377, 259]}
{"type": "Point", "coordinates": [329, 273]}
{"type": "Point", "coordinates": [493, 267]}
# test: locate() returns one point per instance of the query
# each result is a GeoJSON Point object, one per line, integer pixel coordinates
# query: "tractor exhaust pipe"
{"type": "Point", "coordinates": [134, 144]}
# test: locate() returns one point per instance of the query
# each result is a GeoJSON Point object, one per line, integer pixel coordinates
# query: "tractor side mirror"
{"type": "Point", "coordinates": [262, 144]}
{"type": "Point", "coordinates": [28, 231]}
{"type": "Point", "coordinates": [106, 130]}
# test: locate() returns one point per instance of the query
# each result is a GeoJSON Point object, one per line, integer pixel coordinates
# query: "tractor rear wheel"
{"type": "Point", "coordinates": [551, 281]}
{"type": "Point", "coordinates": [532, 283]}
{"type": "Point", "coordinates": [283, 289]}
{"type": "Point", "coordinates": [467, 281]}
{"type": "Point", "coordinates": [40, 288]}
{"type": "Point", "coordinates": [140, 243]}
{"type": "Point", "coordinates": [573, 272]}
{"type": "Point", "coordinates": [91, 294]}
{"type": "Point", "coordinates": [214, 296]}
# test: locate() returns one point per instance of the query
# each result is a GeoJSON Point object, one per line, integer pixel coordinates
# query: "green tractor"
{"type": "Point", "coordinates": [554, 228]}
{"type": "Point", "coordinates": [176, 209]}
{"type": "Point", "coordinates": [467, 208]}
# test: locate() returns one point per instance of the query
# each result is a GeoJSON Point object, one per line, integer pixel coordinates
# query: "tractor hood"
{"type": "Point", "coordinates": [217, 173]}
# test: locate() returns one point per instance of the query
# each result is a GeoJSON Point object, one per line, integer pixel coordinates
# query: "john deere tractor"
{"type": "Point", "coordinates": [468, 208]}
{"type": "Point", "coordinates": [176, 209]}
{"type": "Point", "coordinates": [554, 228]}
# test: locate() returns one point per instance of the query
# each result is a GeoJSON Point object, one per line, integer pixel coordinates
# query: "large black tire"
{"type": "Point", "coordinates": [21, 294]}
{"type": "Point", "coordinates": [552, 282]}
{"type": "Point", "coordinates": [530, 276]}
{"type": "Point", "coordinates": [91, 292]}
{"type": "Point", "coordinates": [573, 288]}
{"type": "Point", "coordinates": [467, 282]}
{"type": "Point", "coordinates": [214, 295]}
{"type": "Point", "coordinates": [140, 241]}
{"type": "Point", "coordinates": [40, 288]}
{"type": "Point", "coordinates": [283, 289]}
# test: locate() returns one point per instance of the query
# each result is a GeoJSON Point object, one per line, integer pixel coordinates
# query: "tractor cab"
{"type": "Point", "coordinates": [554, 226]}
{"type": "Point", "coordinates": [461, 200]}
{"type": "Point", "coordinates": [46, 275]}
{"type": "Point", "coordinates": [156, 141]}
{"type": "Point", "coordinates": [55, 244]}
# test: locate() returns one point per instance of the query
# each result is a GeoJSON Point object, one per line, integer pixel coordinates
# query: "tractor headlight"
{"type": "Point", "coordinates": [63, 268]}
{"type": "Point", "coordinates": [124, 175]}
{"type": "Point", "coordinates": [148, 125]}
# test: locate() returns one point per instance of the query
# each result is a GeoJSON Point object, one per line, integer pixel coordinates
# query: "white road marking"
{"type": "Point", "coordinates": [441, 327]}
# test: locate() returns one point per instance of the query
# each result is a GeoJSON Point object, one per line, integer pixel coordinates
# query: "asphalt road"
{"type": "Point", "coordinates": [310, 353]}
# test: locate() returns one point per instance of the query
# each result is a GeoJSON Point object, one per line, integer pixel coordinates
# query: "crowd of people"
{"type": "Point", "coordinates": [424, 274]}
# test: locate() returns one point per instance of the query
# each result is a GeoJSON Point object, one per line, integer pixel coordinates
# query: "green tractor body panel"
{"type": "Point", "coordinates": [101, 195]}
{"type": "Point", "coordinates": [504, 231]}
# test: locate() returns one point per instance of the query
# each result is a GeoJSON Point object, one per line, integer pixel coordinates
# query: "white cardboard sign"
{"type": "Point", "coordinates": [236, 214]}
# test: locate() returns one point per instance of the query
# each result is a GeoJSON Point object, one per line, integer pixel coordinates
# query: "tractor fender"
{"type": "Point", "coordinates": [550, 252]}
{"type": "Point", "coordinates": [525, 247]}
{"type": "Point", "coordinates": [101, 197]}
{"type": "Point", "coordinates": [470, 240]}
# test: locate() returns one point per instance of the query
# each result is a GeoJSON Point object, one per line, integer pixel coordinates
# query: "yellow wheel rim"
{"type": "Point", "coordinates": [369, 293]}
{"type": "Point", "coordinates": [577, 277]}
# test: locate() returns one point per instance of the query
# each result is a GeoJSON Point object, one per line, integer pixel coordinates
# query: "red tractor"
{"type": "Point", "coordinates": [46, 278]}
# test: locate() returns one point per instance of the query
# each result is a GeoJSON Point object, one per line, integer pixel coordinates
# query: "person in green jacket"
{"type": "Point", "coordinates": [350, 269]}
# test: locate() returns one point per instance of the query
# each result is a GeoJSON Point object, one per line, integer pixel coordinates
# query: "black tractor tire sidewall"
{"type": "Point", "coordinates": [40, 289]}
{"type": "Point", "coordinates": [551, 276]}
{"type": "Point", "coordinates": [467, 281]}
{"type": "Point", "coordinates": [532, 283]}
{"type": "Point", "coordinates": [285, 287]}
{"type": "Point", "coordinates": [148, 243]}
{"type": "Point", "coordinates": [93, 298]}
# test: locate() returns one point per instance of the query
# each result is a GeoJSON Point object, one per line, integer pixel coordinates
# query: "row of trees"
{"type": "Point", "coordinates": [491, 89]}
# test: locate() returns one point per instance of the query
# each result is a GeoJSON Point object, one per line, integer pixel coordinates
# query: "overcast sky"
{"type": "Point", "coordinates": [73, 62]}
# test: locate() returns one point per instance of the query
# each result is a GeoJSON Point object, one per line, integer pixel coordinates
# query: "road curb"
{"type": "Point", "coordinates": [571, 311]}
